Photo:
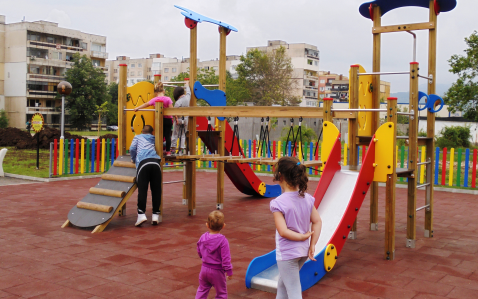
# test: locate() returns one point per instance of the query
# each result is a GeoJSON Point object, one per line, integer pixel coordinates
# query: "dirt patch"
{"type": "Point", "coordinates": [109, 136]}
{"type": "Point", "coordinates": [23, 140]}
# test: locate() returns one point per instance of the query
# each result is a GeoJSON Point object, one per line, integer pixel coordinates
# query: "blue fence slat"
{"type": "Point", "coordinates": [311, 154]}
{"type": "Point", "coordinates": [437, 159]}
{"type": "Point", "coordinates": [467, 166]}
{"type": "Point", "coordinates": [289, 148]}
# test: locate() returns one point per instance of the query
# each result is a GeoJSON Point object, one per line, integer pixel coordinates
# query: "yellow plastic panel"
{"type": "Point", "coordinates": [331, 133]}
{"type": "Point", "coordinates": [330, 257]}
{"type": "Point", "coordinates": [137, 95]}
{"type": "Point", "coordinates": [383, 152]}
{"type": "Point", "coordinates": [365, 102]}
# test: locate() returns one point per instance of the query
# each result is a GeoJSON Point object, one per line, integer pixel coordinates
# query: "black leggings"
{"type": "Point", "coordinates": [149, 173]}
{"type": "Point", "coordinates": [167, 131]}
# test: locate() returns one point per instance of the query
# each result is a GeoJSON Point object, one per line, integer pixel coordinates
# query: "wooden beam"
{"type": "Point", "coordinates": [101, 227]}
{"type": "Point", "coordinates": [67, 223]}
{"type": "Point", "coordinates": [107, 192]}
{"type": "Point", "coordinates": [403, 27]}
{"type": "Point", "coordinates": [353, 128]}
{"type": "Point", "coordinates": [432, 61]}
{"type": "Point", "coordinates": [94, 207]}
{"type": "Point", "coordinates": [192, 134]}
{"type": "Point", "coordinates": [377, 49]}
{"type": "Point", "coordinates": [122, 91]}
{"type": "Point", "coordinates": [124, 164]}
{"type": "Point", "coordinates": [412, 156]}
{"type": "Point", "coordinates": [390, 187]}
{"type": "Point", "coordinates": [218, 158]}
{"type": "Point", "coordinates": [221, 123]}
{"type": "Point", "coordinates": [118, 178]}
{"type": "Point", "coordinates": [255, 111]}
{"type": "Point", "coordinates": [327, 111]}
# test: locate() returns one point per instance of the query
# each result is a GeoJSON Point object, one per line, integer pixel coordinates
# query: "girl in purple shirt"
{"type": "Point", "coordinates": [167, 120]}
{"type": "Point", "coordinates": [293, 212]}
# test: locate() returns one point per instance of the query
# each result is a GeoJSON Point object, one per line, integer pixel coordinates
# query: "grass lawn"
{"type": "Point", "coordinates": [92, 133]}
{"type": "Point", "coordinates": [23, 162]}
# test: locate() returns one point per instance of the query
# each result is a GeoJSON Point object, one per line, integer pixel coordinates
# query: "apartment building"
{"type": "Point", "coordinates": [144, 69]}
{"type": "Point", "coordinates": [34, 57]}
{"type": "Point", "coordinates": [305, 59]}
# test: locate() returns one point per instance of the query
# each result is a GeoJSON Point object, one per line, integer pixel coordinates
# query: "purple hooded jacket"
{"type": "Point", "coordinates": [214, 252]}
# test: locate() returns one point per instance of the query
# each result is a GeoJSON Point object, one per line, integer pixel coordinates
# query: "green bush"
{"type": "Point", "coordinates": [3, 119]}
{"type": "Point", "coordinates": [308, 134]}
{"type": "Point", "coordinates": [422, 133]}
{"type": "Point", "coordinates": [454, 136]}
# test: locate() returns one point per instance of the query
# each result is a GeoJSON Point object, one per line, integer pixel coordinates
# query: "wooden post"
{"type": "Point", "coordinates": [412, 156]}
{"type": "Point", "coordinates": [191, 166]}
{"type": "Point", "coordinates": [158, 144]}
{"type": "Point", "coordinates": [221, 124]}
{"type": "Point", "coordinates": [432, 60]}
{"type": "Point", "coordinates": [328, 109]}
{"type": "Point", "coordinates": [390, 187]}
{"type": "Point", "coordinates": [157, 78]}
{"type": "Point", "coordinates": [377, 38]}
{"type": "Point", "coordinates": [122, 86]}
{"type": "Point", "coordinates": [353, 129]}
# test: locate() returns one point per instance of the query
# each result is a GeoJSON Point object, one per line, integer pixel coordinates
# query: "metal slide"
{"type": "Point", "coordinates": [338, 198]}
{"type": "Point", "coordinates": [241, 174]}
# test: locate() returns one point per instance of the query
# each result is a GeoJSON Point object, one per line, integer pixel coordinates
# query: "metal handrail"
{"type": "Point", "coordinates": [385, 73]}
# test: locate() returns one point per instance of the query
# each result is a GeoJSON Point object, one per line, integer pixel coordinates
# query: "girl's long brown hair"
{"type": "Point", "coordinates": [158, 87]}
{"type": "Point", "coordinates": [294, 173]}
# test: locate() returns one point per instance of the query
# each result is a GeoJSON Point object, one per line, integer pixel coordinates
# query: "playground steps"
{"type": "Point", "coordinates": [107, 198]}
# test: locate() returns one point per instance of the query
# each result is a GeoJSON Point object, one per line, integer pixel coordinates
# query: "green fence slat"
{"type": "Point", "coordinates": [402, 158]}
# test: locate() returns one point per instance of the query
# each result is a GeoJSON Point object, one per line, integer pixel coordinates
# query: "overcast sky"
{"type": "Point", "coordinates": [343, 37]}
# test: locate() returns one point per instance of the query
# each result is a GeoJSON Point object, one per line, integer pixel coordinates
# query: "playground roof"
{"type": "Point", "coordinates": [388, 5]}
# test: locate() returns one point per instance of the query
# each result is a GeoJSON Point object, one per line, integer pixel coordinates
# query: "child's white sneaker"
{"type": "Point", "coordinates": [155, 220]}
{"type": "Point", "coordinates": [141, 219]}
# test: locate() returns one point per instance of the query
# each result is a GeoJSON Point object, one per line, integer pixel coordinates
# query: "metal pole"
{"type": "Point", "coordinates": [62, 117]}
{"type": "Point", "coordinates": [384, 73]}
{"type": "Point", "coordinates": [414, 45]}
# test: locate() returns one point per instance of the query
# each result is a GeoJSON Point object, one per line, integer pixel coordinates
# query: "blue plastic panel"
{"type": "Point", "coordinates": [429, 102]}
{"type": "Point", "coordinates": [388, 5]}
{"type": "Point", "coordinates": [258, 265]}
{"type": "Point", "coordinates": [200, 18]}
{"type": "Point", "coordinates": [212, 97]}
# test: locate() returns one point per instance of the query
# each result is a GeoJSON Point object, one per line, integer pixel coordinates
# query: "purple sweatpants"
{"type": "Point", "coordinates": [212, 278]}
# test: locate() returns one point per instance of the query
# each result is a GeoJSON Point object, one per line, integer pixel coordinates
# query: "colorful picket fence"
{"type": "Point", "coordinates": [456, 168]}
{"type": "Point", "coordinates": [76, 156]}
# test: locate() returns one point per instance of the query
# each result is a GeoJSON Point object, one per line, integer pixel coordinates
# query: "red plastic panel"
{"type": "Point", "coordinates": [331, 167]}
{"type": "Point", "coordinates": [364, 180]}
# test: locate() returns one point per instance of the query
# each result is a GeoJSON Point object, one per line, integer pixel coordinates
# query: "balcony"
{"type": "Point", "coordinates": [51, 45]}
{"type": "Point", "coordinates": [309, 77]}
{"type": "Point", "coordinates": [310, 87]}
{"type": "Point", "coordinates": [96, 54]}
{"type": "Point", "coordinates": [49, 62]}
{"type": "Point", "coordinates": [43, 110]}
{"type": "Point", "coordinates": [43, 77]}
{"type": "Point", "coordinates": [41, 94]}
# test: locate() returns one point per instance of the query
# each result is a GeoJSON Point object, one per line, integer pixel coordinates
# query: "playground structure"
{"type": "Point", "coordinates": [338, 206]}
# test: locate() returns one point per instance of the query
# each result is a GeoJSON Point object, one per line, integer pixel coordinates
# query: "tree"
{"type": "Point", "coordinates": [101, 111]}
{"type": "Point", "coordinates": [454, 136]}
{"type": "Point", "coordinates": [463, 94]}
{"type": "Point", "coordinates": [268, 78]}
{"type": "Point", "coordinates": [89, 90]}
{"type": "Point", "coordinates": [308, 134]}
{"type": "Point", "coordinates": [3, 119]}
{"type": "Point", "coordinates": [112, 114]}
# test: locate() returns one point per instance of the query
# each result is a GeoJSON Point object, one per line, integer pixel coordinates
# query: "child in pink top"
{"type": "Point", "coordinates": [293, 212]}
{"type": "Point", "coordinates": [167, 120]}
{"type": "Point", "coordinates": [213, 249]}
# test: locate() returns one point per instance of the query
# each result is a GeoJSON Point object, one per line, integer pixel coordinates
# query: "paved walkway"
{"type": "Point", "coordinates": [6, 181]}
{"type": "Point", "coordinates": [38, 259]}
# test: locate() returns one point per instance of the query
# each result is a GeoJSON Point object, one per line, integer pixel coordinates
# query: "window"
{"type": "Point", "coordinates": [96, 47]}
{"type": "Point", "coordinates": [116, 71]}
{"type": "Point", "coordinates": [322, 81]}
{"type": "Point", "coordinates": [84, 45]}
{"type": "Point", "coordinates": [322, 88]}
{"type": "Point", "coordinates": [34, 69]}
{"type": "Point", "coordinates": [309, 61]}
{"type": "Point", "coordinates": [311, 103]}
{"type": "Point", "coordinates": [166, 70]}
{"type": "Point", "coordinates": [214, 68]}
{"type": "Point", "coordinates": [316, 63]}
{"type": "Point", "coordinates": [322, 96]}
{"type": "Point", "coordinates": [50, 103]}
{"type": "Point", "coordinates": [149, 69]}
{"type": "Point", "coordinates": [173, 70]}
{"type": "Point", "coordinates": [115, 78]}
{"type": "Point", "coordinates": [131, 74]}
{"type": "Point", "coordinates": [140, 73]}
{"type": "Point", "coordinates": [34, 37]}
{"type": "Point", "coordinates": [149, 77]}
{"type": "Point", "coordinates": [166, 78]}
{"type": "Point", "coordinates": [51, 40]}
{"type": "Point", "coordinates": [133, 65]}
{"type": "Point", "coordinates": [69, 56]}
{"type": "Point", "coordinates": [95, 62]}
{"type": "Point", "coordinates": [140, 65]}
{"type": "Point", "coordinates": [206, 68]}
{"type": "Point", "coordinates": [56, 55]}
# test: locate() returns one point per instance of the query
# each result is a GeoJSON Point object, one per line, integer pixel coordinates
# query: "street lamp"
{"type": "Point", "coordinates": [64, 88]}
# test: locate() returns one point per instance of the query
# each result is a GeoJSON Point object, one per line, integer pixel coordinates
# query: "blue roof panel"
{"type": "Point", "coordinates": [388, 5]}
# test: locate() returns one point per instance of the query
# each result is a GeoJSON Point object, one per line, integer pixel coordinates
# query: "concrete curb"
{"type": "Point", "coordinates": [47, 180]}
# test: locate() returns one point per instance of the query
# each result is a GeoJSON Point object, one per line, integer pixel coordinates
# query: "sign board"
{"type": "Point", "coordinates": [37, 122]}
{"type": "Point", "coordinates": [58, 46]}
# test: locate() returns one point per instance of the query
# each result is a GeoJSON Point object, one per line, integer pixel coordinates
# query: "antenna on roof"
{"type": "Point", "coordinates": [23, 19]}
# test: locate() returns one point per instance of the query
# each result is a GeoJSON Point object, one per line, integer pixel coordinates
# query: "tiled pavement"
{"type": "Point", "coordinates": [38, 259]}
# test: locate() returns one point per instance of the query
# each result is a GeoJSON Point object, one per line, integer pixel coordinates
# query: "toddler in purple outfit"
{"type": "Point", "coordinates": [293, 212]}
{"type": "Point", "coordinates": [213, 249]}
